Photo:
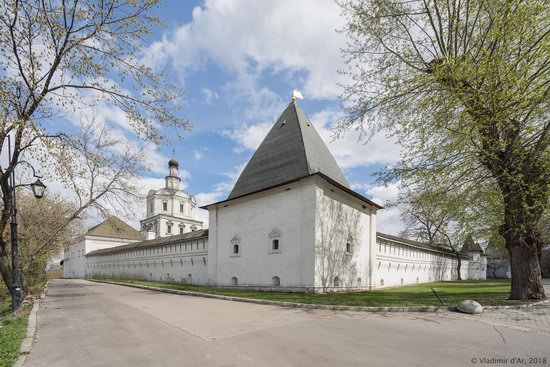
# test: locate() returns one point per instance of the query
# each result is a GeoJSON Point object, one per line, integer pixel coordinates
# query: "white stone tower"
{"type": "Point", "coordinates": [170, 211]}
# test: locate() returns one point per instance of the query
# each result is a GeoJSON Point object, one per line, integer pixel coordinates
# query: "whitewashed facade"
{"type": "Point", "coordinates": [170, 210]}
{"type": "Point", "coordinates": [179, 258]}
{"type": "Point", "coordinates": [291, 223]}
{"type": "Point", "coordinates": [109, 234]}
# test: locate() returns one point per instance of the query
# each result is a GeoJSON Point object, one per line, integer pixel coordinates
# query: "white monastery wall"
{"type": "Point", "coordinates": [400, 263]}
{"type": "Point", "coordinates": [253, 223]}
{"type": "Point", "coordinates": [478, 266]}
{"type": "Point", "coordinates": [74, 259]}
{"type": "Point", "coordinates": [344, 232]}
{"type": "Point", "coordinates": [183, 261]}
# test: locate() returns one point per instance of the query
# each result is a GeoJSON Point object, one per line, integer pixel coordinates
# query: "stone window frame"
{"type": "Point", "coordinates": [164, 205]}
{"type": "Point", "coordinates": [236, 241]}
{"type": "Point", "coordinates": [275, 234]}
{"type": "Point", "coordinates": [349, 247]}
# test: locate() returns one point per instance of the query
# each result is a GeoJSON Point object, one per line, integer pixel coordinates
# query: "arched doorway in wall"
{"type": "Point", "coordinates": [336, 282]}
{"type": "Point", "coordinates": [234, 281]}
{"type": "Point", "coordinates": [275, 281]}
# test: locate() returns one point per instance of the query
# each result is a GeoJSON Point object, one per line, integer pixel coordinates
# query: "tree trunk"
{"type": "Point", "coordinates": [5, 268]}
{"type": "Point", "coordinates": [458, 266]}
{"type": "Point", "coordinates": [523, 247]}
{"type": "Point", "coordinates": [526, 273]}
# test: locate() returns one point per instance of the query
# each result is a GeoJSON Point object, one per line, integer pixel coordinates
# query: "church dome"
{"type": "Point", "coordinates": [173, 163]}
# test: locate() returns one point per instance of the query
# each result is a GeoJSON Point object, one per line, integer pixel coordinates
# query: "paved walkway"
{"type": "Point", "coordinates": [533, 319]}
{"type": "Point", "coordinates": [82, 323]}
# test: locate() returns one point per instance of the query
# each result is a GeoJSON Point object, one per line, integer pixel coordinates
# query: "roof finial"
{"type": "Point", "coordinates": [296, 94]}
{"type": "Point", "coordinates": [174, 153]}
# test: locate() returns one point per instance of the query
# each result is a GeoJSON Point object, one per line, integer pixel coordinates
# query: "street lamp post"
{"type": "Point", "coordinates": [38, 189]}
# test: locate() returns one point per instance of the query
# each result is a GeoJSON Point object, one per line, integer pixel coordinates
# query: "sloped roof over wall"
{"type": "Point", "coordinates": [115, 228]}
{"type": "Point", "coordinates": [423, 245]}
{"type": "Point", "coordinates": [189, 236]}
{"type": "Point", "coordinates": [291, 150]}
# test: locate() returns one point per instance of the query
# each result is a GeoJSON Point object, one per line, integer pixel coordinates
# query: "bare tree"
{"type": "Point", "coordinates": [59, 58]}
{"type": "Point", "coordinates": [435, 219]}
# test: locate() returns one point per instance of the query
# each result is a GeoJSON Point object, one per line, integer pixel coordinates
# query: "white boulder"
{"type": "Point", "coordinates": [469, 306]}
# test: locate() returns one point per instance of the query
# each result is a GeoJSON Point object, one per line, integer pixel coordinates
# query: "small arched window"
{"type": "Point", "coordinates": [275, 238]}
{"type": "Point", "coordinates": [275, 281]}
{"type": "Point", "coordinates": [336, 282]}
{"type": "Point", "coordinates": [348, 248]}
{"type": "Point", "coordinates": [235, 246]}
{"type": "Point", "coordinates": [234, 281]}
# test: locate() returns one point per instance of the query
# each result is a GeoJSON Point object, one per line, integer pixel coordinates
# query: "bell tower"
{"type": "Point", "coordinates": [172, 180]}
{"type": "Point", "coordinates": [170, 210]}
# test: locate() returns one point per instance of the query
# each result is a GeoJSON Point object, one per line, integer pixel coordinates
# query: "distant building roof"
{"type": "Point", "coordinates": [152, 243]}
{"type": "Point", "coordinates": [291, 150]}
{"type": "Point", "coordinates": [470, 246]}
{"type": "Point", "coordinates": [115, 228]}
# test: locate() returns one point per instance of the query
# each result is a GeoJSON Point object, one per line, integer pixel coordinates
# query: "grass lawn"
{"type": "Point", "coordinates": [486, 292]}
{"type": "Point", "coordinates": [13, 328]}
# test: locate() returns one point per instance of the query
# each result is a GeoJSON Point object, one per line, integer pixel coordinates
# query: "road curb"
{"type": "Point", "coordinates": [26, 344]}
{"type": "Point", "coordinates": [307, 306]}
{"type": "Point", "coordinates": [316, 306]}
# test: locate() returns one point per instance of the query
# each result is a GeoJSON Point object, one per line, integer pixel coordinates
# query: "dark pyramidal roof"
{"type": "Point", "coordinates": [470, 245]}
{"type": "Point", "coordinates": [292, 149]}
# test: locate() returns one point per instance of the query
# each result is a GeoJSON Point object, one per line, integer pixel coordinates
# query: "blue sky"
{"type": "Point", "coordinates": [238, 61]}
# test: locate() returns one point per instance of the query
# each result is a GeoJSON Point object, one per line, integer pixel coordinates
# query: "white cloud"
{"type": "Point", "coordinates": [243, 37]}
{"type": "Point", "coordinates": [384, 195]}
{"type": "Point", "coordinates": [198, 155]}
{"type": "Point", "coordinates": [209, 95]}
{"type": "Point", "coordinates": [248, 137]}
{"type": "Point", "coordinates": [388, 220]}
{"type": "Point", "coordinates": [348, 151]}
{"type": "Point", "coordinates": [219, 192]}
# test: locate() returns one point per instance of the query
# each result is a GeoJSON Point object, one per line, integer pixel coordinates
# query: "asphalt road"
{"type": "Point", "coordinates": [81, 323]}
